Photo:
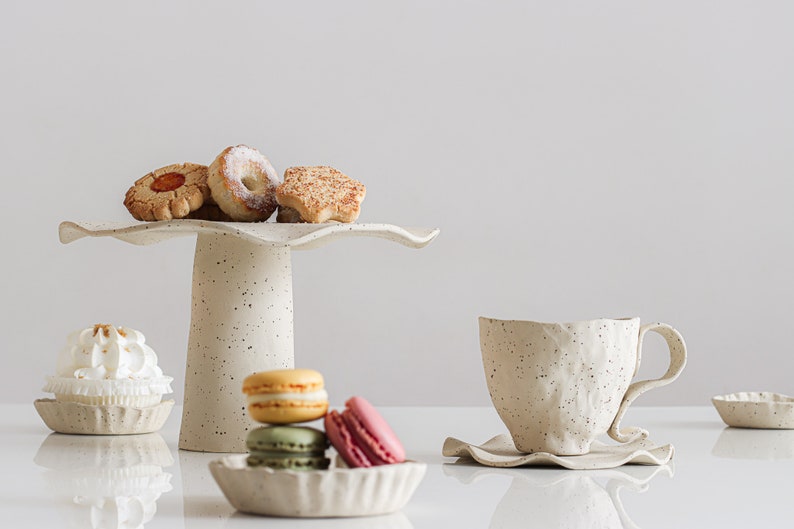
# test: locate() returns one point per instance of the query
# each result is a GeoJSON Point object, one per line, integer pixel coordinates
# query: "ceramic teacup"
{"type": "Point", "coordinates": [559, 386]}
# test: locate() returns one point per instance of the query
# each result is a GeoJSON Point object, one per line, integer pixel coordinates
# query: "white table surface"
{"type": "Point", "coordinates": [719, 477]}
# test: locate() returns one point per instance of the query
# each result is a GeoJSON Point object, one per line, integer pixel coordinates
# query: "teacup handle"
{"type": "Point", "coordinates": [675, 342]}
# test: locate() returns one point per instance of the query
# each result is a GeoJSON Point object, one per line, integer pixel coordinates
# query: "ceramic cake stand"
{"type": "Point", "coordinates": [241, 315]}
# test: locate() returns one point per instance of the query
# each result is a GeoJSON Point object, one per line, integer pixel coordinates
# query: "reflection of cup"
{"type": "Point", "coordinates": [561, 497]}
{"type": "Point", "coordinates": [112, 481]}
{"type": "Point", "coordinates": [558, 386]}
{"type": "Point", "coordinates": [395, 520]}
{"type": "Point", "coordinates": [745, 443]}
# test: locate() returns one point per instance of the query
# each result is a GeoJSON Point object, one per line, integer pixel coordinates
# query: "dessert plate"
{"type": "Point", "coordinates": [500, 451]}
{"type": "Point", "coordinates": [336, 492]}
{"type": "Point", "coordinates": [760, 409]}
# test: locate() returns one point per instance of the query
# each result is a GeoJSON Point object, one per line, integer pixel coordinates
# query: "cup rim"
{"type": "Point", "coordinates": [575, 322]}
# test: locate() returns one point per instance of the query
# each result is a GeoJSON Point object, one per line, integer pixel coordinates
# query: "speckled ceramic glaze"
{"type": "Point", "coordinates": [336, 492]}
{"type": "Point", "coordinates": [241, 322]}
{"type": "Point", "coordinates": [85, 419]}
{"type": "Point", "coordinates": [756, 409]}
{"type": "Point", "coordinates": [241, 316]}
{"type": "Point", "coordinates": [500, 451]}
{"type": "Point", "coordinates": [558, 386]}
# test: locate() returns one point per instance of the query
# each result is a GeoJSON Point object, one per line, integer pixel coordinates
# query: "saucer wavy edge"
{"type": "Point", "coordinates": [756, 409]}
{"type": "Point", "coordinates": [336, 492]}
{"type": "Point", "coordinates": [496, 452]}
{"type": "Point", "coordinates": [77, 418]}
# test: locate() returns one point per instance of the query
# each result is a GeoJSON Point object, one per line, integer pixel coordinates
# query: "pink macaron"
{"type": "Point", "coordinates": [361, 436]}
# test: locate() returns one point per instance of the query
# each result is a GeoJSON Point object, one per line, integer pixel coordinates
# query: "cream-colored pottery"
{"type": "Point", "coordinates": [756, 410]}
{"type": "Point", "coordinates": [78, 418]}
{"type": "Point", "coordinates": [336, 492]}
{"type": "Point", "coordinates": [558, 386]}
{"type": "Point", "coordinates": [241, 318]}
{"type": "Point", "coordinates": [500, 451]}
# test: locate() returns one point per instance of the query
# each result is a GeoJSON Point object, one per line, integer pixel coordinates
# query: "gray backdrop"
{"type": "Point", "coordinates": [582, 159]}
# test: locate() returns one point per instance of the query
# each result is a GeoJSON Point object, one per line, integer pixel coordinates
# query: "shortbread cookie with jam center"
{"type": "Point", "coordinates": [170, 192]}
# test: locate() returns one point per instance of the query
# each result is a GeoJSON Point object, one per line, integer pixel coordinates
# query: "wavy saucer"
{"type": "Point", "coordinates": [756, 409]}
{"type": "Point", "coordinates": [500, 451]}
{"type": "Point", "coordinates": [336, 492]}
{"type": "Point", "coordinates": [295, 236]}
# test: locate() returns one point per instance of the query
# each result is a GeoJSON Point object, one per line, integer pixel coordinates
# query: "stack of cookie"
{"type": "Point", "coordinates": [242, 185]}
{"type": "Point", "coordinates": [282, 399]}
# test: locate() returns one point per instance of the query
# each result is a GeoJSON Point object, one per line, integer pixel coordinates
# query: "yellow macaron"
{"type": "Point", "coordinates": [286, 396]}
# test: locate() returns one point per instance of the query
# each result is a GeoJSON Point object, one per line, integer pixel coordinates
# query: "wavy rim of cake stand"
{"type": "Point", "coordinates": [302, 236]}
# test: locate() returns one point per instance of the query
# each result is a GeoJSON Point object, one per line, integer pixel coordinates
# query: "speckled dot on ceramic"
{"type": "Point", "coordinates": [241, 322]}
{"type": "Point", "coordinates": [84, 419]}
{"type": "Point", "coordinates": [332, 493]}
{"type": "Point", "coordinates": [558, 386]}
{"type": "Point", "coordinates": [241, 316]}
{"type": "Point", "coordinates": [756, 409]}
{"type": "Point", "coordinates": [501, 452]}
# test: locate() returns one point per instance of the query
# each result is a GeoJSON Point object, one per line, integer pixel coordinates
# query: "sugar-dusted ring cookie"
{"type": "Point", "coordinates": [243, 183]}
{"type": "Point", "coordinates": [170, 192]}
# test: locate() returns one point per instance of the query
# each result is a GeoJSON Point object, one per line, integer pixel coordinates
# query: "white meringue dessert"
{"type": "Point", "coordinates": [107, 381]}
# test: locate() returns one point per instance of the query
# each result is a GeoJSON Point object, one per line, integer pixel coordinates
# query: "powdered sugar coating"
{"type": "Point", "coordinates": [243, 183]}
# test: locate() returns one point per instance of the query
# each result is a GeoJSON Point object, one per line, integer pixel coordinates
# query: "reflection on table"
{"type": "Point", "coordinates": [745, 443]}
{"type": "Point", "coordinates": [553, 497]}
{"type": "Point", "coordinates": [112, 482]}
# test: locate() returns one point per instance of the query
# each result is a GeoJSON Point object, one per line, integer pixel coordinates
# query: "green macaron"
{"type": "Point", "coordinates": [287, 447]}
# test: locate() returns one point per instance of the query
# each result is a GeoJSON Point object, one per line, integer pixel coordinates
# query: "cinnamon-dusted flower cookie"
{"type": "Point", "coordinates": [321, 193]}
{"type": "Point", "coordinates": [170, 192]}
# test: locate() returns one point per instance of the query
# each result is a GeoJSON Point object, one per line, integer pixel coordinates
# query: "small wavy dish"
{"type": "Point", "coordinates": [761, 409]}
{"type": "Point", "coordinates": [78, 418]}
{"type": "Point", "coordinates": [336, 492]}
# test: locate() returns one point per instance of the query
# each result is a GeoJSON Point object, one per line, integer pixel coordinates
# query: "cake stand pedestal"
{"type": "Point", "coordinates": [241, 314]}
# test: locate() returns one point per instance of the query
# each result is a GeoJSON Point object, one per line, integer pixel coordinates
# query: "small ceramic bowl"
{"type": "Point", "coordinates": [77, 418]}
{"type": "Point", "coordinates": [336, 492]}
{"type": "Point", "coordinates": [756, 410]}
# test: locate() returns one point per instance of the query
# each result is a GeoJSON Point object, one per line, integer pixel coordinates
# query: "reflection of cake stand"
{"type": "Point", "coordinates": [241, 315]}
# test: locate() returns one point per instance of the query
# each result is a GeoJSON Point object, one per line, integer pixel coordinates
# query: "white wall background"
{"type": "Point", "coordinates": [581, 159]}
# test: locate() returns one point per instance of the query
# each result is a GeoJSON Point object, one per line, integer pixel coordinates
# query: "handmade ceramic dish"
{"type": "Point", "coordinates": [336, 492]}
{"type": "Point", "coordinates": [756, 410]}
{"type": "Point", "coordinates": [500, 451]}
{"type": "Point", "coordinates": [77, 418]}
